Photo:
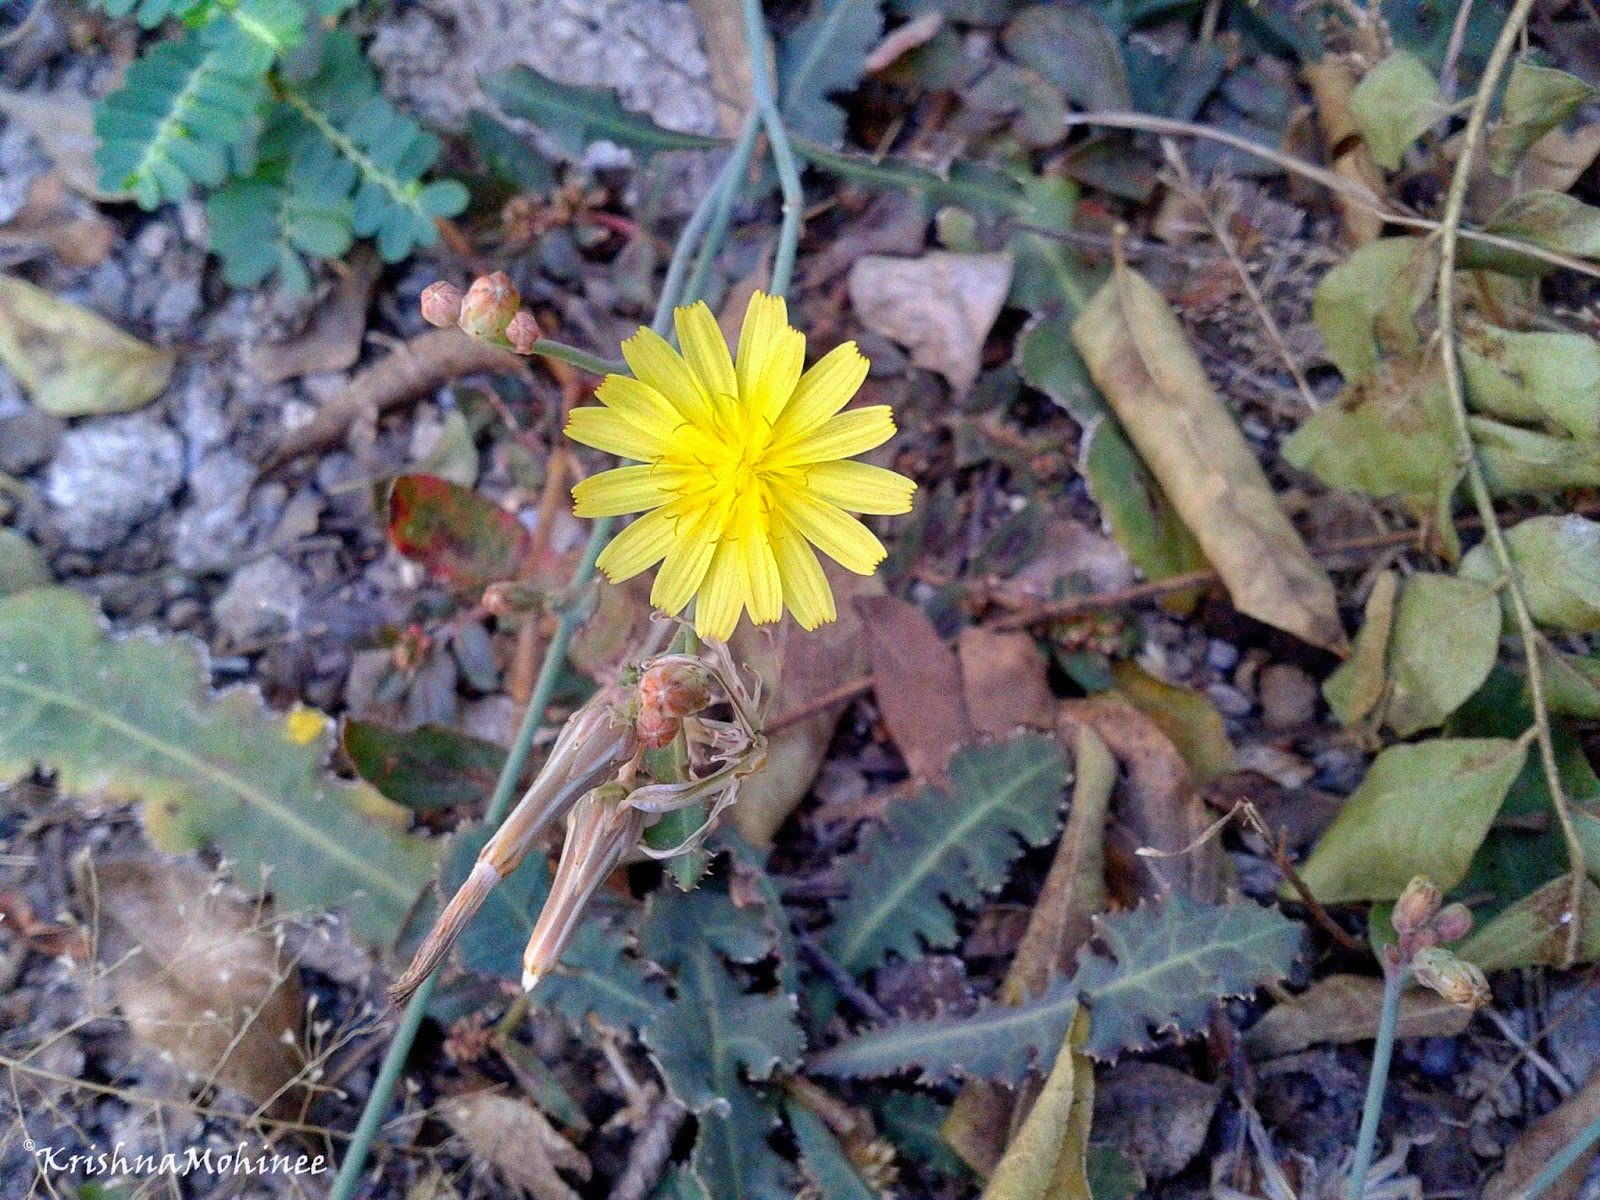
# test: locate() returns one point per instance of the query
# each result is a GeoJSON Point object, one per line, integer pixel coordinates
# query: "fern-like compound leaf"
{"type": "Point", "coordinates": [946, 847]}
{"type": "Point", "coordinates": [1167, 965]}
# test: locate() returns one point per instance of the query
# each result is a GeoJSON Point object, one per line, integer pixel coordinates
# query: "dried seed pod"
{"type": "Point", "coordinates": [1455, 979]}
{"type": "Point", "coordinates": [523, 332]}
{"type": "Point", "coordinates": [490, 304]}
{"type": "Point", "coordinates": [441, 304]}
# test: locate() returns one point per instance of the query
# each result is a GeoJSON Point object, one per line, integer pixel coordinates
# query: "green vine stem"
{"type": "Point", "coordinates": [1449, 232]}
{"type": "Point", "coordinates": [1561, 1162]}
{"type": "Point", "coordinates": [1394, 979]}
{"type": "Point", "coordinates": [765, 96]}
{"type": "Point", "coordinates": [717, 231]}
{"type": "Point", "coordinates": [710, 221]}
{"type": "Point", "coordinates": [582, 359]}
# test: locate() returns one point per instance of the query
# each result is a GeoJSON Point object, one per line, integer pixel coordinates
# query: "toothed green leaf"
{"type": "Point", "coordinates": [825, 55]}
{"type": "Point", "coordinates": [577, 116]}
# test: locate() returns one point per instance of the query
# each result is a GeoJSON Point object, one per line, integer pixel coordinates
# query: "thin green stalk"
{"type": "Point", "coordinates": [717, 231]}
{"type": "Point", "coordinates": [762, 91]}
{"type": "Point", "coordinates": [704, 216]}
{"type": "Point", "coordinates": [582, 359]}
{"type": "Point", "coordinates": [1377, 1083]}
{"type": "Point", "coordinates": [355, 1160]}
{"type": "Point", "coordinates": [1562, 1162]}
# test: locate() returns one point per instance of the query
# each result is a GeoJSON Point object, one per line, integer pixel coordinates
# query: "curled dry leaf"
{"type": "Point", "coordinates": [199, 976]}
{"type": "Point", "coordinates": [1188, 718]}
{"type": "Point", "coordinates": [1073, 894]}
{"type": "Point", "coordinates": [1140, 357]}
{"type": "Point", "coordinates": [517, 1142]}
{"type": "Point", "coordinates": [332, 342]}
{"type": "Point", "coordinates": [73, 363]}
{"type": "Point", "coordinates": [1331, 81]}
{"type": "Point", "coordinates": [1048, 1159]}
{"type": "Point", "coordinates": [918, 684]}
{"type": "Point", "coordinates": [797, 669]}
{"type": "Point", "coordinates": [1003, 680]}
{"type": "Point", "coordinates": [940, 306]}
{"type": "Point", "coordinates": [1159, 807]}
{"type": "Point", "coordinates": [1344, 1008]}
{"type": "Point", "coordinates": [1542, 1141]}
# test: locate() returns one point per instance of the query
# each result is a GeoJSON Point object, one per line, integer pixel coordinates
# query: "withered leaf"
{"type": "Point", "coordinates": [918, 684]}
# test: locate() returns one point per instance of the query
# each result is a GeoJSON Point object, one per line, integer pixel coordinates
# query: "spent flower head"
{"type": "Point", "coordinates": [743, 469]}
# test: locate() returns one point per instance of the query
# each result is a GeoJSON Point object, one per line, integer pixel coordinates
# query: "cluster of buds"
{"type": "Point", "coordinates": [1423, 924]}
{"type": "Point", "coordinates": [597, 780]}
{"type": "Point", "coordinates": [490, 310]}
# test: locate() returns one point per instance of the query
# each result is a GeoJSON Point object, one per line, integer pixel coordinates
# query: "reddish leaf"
{"type": "Point", "coordinates": [454, 532]}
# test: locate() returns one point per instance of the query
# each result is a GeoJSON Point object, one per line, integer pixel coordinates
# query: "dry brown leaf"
{"type": "Point", "coordinates": [918, 31]}
{"type": "Point", "coordinates": [416, 368]}
{"type": "Point", "coordinates": [52, 219]}
{"type": "Point", "coordinates": [1139, 356]}
{"type": "Point", "coordinates": [1159, 806]}
{"type": "Point", "coordinates": [1062, 921]}
{"type": "Point", "coordinates": [1331, 81]}
{"type": "Point", "coordinates": [517, 1141]}
{"type": "Point", "coordinates": [1344, 1008]}
{"type": "Point", "coordinates": [940, 306]}
{"type": "Point", "coordinates": [1543, 1140]}
{"type": "Point", "coordinates": [1156, 1115]}
{"type": "Point", "coordinates": [797, 669]}
{"type": "Point", "coordinates": [333, 340]}
{"type": "Point", "coordinates": [43, 937]}
{"type": "Point", "coordinates": [62, 122]}
{"type": "Point", "coordinates": [1003, 677]}
{"type": "Point", "coordinates": [917, 682]}
{"type": "Point", "coordinates": [199, 976]}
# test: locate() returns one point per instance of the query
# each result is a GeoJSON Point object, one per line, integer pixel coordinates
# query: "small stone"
{"type": "Point", "coordinates": [1230, 701]}
{"type": "Point", "coordinates": [28, 439]}
{"type": "Point", "coordinates": [1156, 1115]}
{"type": "Point", "coordinates": [1221, 655]}
{"type": "Point", "coordinates": [211, 531]}
{"type": "Point", "coordinates": [110, 475]}
{"type": "Point", "coordinates": [261, 599]}
{"type": "Point", "coordinates": [1288, 697]}
{"type": "Point", "coordinates": [494, 719]}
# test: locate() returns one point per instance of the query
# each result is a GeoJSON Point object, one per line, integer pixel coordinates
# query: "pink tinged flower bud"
{"type": "Point", "coordinates": [523, 332]}
{"type": "Point", "coordinates": [1453, 923]}
{"type": "Point", "coordinates": [1455, 979]}
{"type": "Point", "coordinates": [441, 304]}
{"type": "Point", "coordinates": [489, 305]}
{"type": "Point", "coordinates": [1416, 906]}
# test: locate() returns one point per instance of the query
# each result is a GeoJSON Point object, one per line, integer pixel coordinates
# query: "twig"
{"type": "Point", "coordinates": [1543, 1065]}
{"type": "Point", "coordinates": [647, 1157]}
{"type": "Point", "coordinates": [1351, 190]}
{"type": "Point", "coordinates": [843, 694]}
{"type": "Point", "coordinates": [1455, 201]}
{"type": "Point", "coordinates": [840, 978]}
{"type": "Point", "coordinates": [1280, 856]}
{"type": "Point", "coordinates": [783, 158]}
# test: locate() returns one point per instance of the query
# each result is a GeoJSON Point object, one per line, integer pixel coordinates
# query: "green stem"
{"type": "Point", "coordinates": [717, 231]}
{"type": "Point", "coordinates": [582, 359]}
{"type": "Point", "coordinates": [1377, 1083]}
{"type": "Point", "coordinates": [1562, 1162]}
{"type": "Point", "coordinates": [761, 90]}
{"type": "Point", "coordinates": [672, 763]}
{"type": "Point", "coordinates": [355, 1159]}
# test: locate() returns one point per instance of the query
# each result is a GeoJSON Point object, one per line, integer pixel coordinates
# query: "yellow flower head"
{"type": "Point", "coordinates": [743, 469]}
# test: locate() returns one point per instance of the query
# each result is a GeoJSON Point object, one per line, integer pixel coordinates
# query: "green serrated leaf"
{"type": "Point", "coordinates": [1171, 964]}
{"type": "Point", "coordinates": [822, 1158]}
{"type": "Point", "coordinates": [1537, 100]}
{"type": "Point", "coordinates": [1395, 104]}
{"type": "Point", "coordinates": [1421, 810]}
{"type": "Point", "coordinates": [715, 1038]}
{"type": "Point", "coordinates": [824, 55]}
{"type": "Point", "coordinates": [133, 720]}
{"type": "Point", "coordinates": [577, 116]}
{"type": "Point", "coordinates": [914, 1122]}
{"type": "Point", "coordinates": [946, 847]}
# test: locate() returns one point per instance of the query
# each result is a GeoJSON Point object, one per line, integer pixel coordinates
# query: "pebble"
{"type": "Point", "coordinates": [1221, 655]}
{"type": "Point", "coordinates": [110, 475]}
{"type": "Point", "coordinates": [1288, 697]}
{"type": "Point", "coordinates": [262, 598]}
{"type": "Point", "coordinates": [211, 532]}
{"type": "Point", "coordinates": [1230, 701]}
{"type": "Point", "coordinates": [1339, 769]}
{"type": "Point", "coordinates": [28, 439]}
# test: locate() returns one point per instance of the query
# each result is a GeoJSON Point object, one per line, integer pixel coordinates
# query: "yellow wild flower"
{"type": "Point", "coordinates": [743, 469]}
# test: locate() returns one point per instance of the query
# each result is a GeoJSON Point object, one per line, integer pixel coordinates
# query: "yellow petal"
{"type": "Point", "coordinates": [615, 434]}
{"type": "Point", "coordinates": [822, 391]}
{"type": "Point", "coordinates": [765, 317]}
{"type": "Point", "coordinates": [849, 433]}
{"type": "Point", "coordinates": [721, 599]}
{"type": "Point", "coordinates": [859, 487]}
{"type": "Point", "coordinates": [623, 490]}
{"type": "Point", "coordinates": [638, 547]}
{"type": "Point", "coordinates": [657, 364]}
{"type": "Point", "coordinates": [805, 587]}
{"type": "Point", "coordinates": [705, 348]}
{"type": "Point", "coordinates": [694, 541]}
{"type": "Point", "coordinates": [763, 586]}
{"type": "Point", "coordinates": [838, 535]}
{"type": "Point", "coordinates": [639, 403]}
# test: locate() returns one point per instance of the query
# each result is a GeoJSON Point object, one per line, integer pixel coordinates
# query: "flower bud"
{"type": "Point", "coordinates": [1453, 923]}
{"type": "Point", "coordinates": [1455, 979]}
{"type": "Point", "coordinates": [511, 596]}
{"type": "Point", "coordinates": [1416, 906]}
{"type": "Point", "coordinates": [489, 305]}
{"type": "Point", "coordinates": [523, 332]}
{"type": "Point", "coordinates": [675, 688]}
{"type": "Point", "coordinates": [441, 304]}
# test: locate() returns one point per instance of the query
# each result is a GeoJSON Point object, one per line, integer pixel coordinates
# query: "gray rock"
{"type": "Point", "coordinates": [261, 599]}
{"type": "Point", "coordinates": [1221, 655]}
{"type": "Point", "coordinates": [1230, 701]}
{"type": "Point", "coordinates": [212, 531]}
{"type": "Point", "coordinates": [28, 439]}
{"type": "Point", "coordinates": [1288, 697]}
{"type": "Point", "coordinates": [110, 475]}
